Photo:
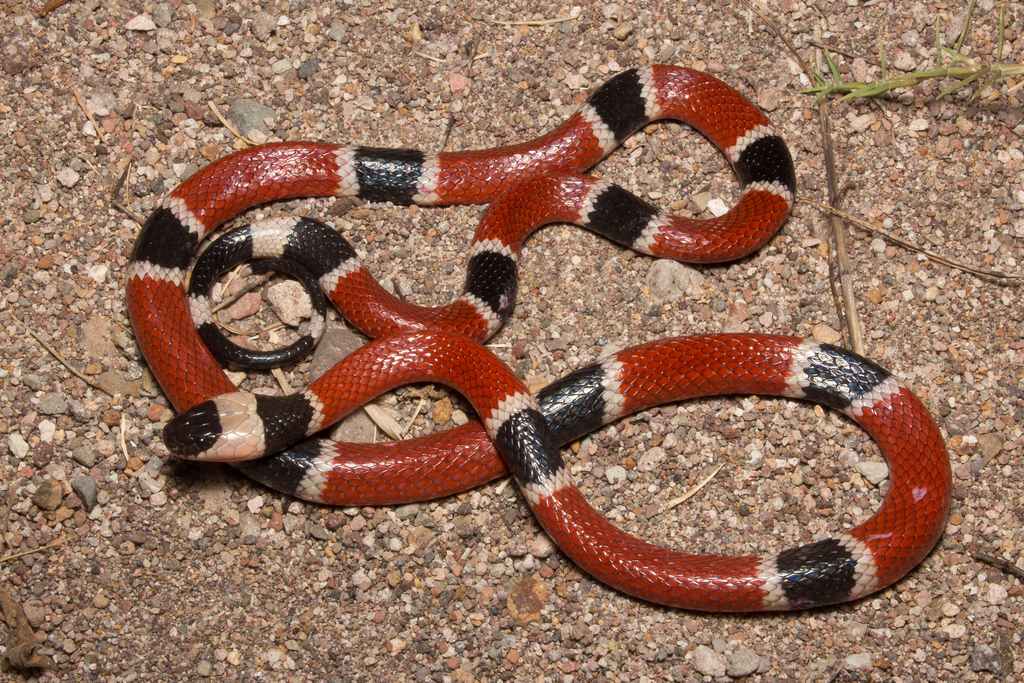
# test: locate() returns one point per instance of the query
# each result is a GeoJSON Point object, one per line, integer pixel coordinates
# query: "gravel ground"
{"type": "Point", "coordinates": [193, 572]}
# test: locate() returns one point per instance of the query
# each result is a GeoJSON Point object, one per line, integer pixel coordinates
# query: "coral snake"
{"type": "Point", "coordinates": [527, 185]}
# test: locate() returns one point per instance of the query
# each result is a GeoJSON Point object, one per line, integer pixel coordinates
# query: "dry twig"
{"type": "Point", "coordinates": [980, 272]}
{"type": "Point", "coordinates": [846, 305]}
{"type": "Point", "coordinates": [227, 124]}
{"type": "Point", "coordinates": [49, 546]}
{"type": "Point", "coordinates": [689, 494]}
{"type": "Point", "coordinates": [1005, 566]}
{"type": "Point", "coordinates": [573, 15]}
{"type": "Point", "coordinates": [451, 117]}
{"type": "Point", "coordinates": [115, 193]}
{"type": "Point", "coordinates": [63, 360]}
{"type": "Point", "coordinates": [88, 114]}
{"type": "Point", "coordinates": [11, 498]}
{"type": "Point", "coordinates": [242, 292]}
{"type": "Point", "coordinates": [49, 7]}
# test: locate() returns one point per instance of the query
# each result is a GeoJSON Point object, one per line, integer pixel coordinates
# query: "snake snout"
{"type": "Point", "coordinates": [225, 428]}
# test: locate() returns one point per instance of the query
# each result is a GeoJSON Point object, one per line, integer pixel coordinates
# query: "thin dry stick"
{"type": "Point", "coordinates": [88, 114]}
{"type": "Point", "coordinates": [63, 360]}
{"type": "Point", "coordinates": [250, 333]}
{"type": "Point", "coordinates": [48, 546]}
{"type": "Point", "coordinates": [838, 51]}
{"type": "Point", "coordinates": [50, 6]}
{"type": "Point", "coordinates": [282, 380]}
{"type": "Point", "coordinates": [11, 497]}
{"type": "Point", "coordinates": [227, 124]}
{"type": "Point", "coordinates": [242, 292]}
{"type": "Point", "coordinates": [848, 309]}
{"type": "Point", "coordinates": [451, 118]}
{"type": "Point", "coordinates": [689, 494]}
{"type": "Point", "coordinates": [416, 413]}
{"type": "Point", "coordinates": [980, 272]}
{"type": "Point", "coordinates": [846, 303]}
{"type": "Point", "coordinates": [1005, 566]}
{"type": "Point", "coordinates": [115, 193]}
{"type": "Point", "coordinates": [538, 22]}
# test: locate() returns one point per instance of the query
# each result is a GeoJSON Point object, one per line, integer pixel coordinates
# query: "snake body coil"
{"type": "Point", "coordinates": [529, 185]}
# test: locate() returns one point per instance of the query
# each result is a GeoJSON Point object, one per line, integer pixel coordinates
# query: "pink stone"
{"type": "Point", "coordinates": [457, 82]}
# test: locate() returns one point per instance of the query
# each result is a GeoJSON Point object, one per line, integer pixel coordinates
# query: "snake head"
{"type": "Point", "coordinates": [227, 428]}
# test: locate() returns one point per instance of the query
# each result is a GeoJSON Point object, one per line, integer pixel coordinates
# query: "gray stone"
{"type": "Point", "coordinates": [407, 511]}
{"type": "Point", "coordinates": [671, 281]}
{"type": "Point", "coordinates": [85, 488]}
{"type": "Point", "coordinates": [162, 13]}
{"type": "Point", "coordinates": [308, 68]}
{"type": "Point", "coordinates": [742, 663]}
{"type": "Point", "coordinates": [337, 32]}
{"type": "Point", "coordinates": [53, 404]}
{"type": "Point", "coordinates": [263, 25]}
{"type": "Point", "coordinates": [861, 661]}
{"type": "Point", "coordinates": [84, 456]}
{"type": "Point", "coordinates": [616, 474]}
{"type": "Point", "coordinates": [246, 115]}
{"type": "Point", "coordinates": [986, 658]}
{"type": "Point", "coordinates": [35, 613]}
{"type": "Point", "coordinates": [875, 472]}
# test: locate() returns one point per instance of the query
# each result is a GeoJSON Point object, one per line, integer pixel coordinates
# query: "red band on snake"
{"type": "Point", "coordinates": [856, 563]}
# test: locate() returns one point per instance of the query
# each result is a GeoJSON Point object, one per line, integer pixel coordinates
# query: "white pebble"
{"type": "Point", "coordinates": [860, 662]}
{"type": "Point", "coordinates": [717, 207]}
{"type": "Point", "coordinates": [708, 662]}
{"type": "Point", "coordinates": [996, 594]}
{"type": "Point", "coordinates": [875, 472]}
{"type": "Point", "coordinates": [68, 177]}
{"type": "Point", "coordinates": [861, 123]}
{"type": "Point", "coordinates": [616, 474]}
{"type": "Point", "coordinates": [955, 631]}
{"type": "Point", "coordinates": [98, 272]}
{"type": "Point", "coordinates": [141, 22]}
{"type": "Point", "coordinates": [46, 430]}
{"type": "Point", "coordinates": [290, 302]}
{"type": "Point", "coordinates": [18, 445]}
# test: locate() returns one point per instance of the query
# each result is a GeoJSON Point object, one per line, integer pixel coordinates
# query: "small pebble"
{"type": "Point", "coordinates": [48, 495]}
{"type": "Point", "coordinates": [442, 411]}
{"type": "Point", "coordinates": [861, 661]}
{"type": "Point", "coordinates": [526, 600]}
{"type": "Point", "coordinates": [85, 488]}
{"type": "Point", "coordinates": [68, 177]}
{"type": "Point", "coordinates": [141, 22]}
{"type": "Point", "coordinates": [18, 445]}
{"type": "Point", "coordinates": [709, 662]}
{"type": "Point", "coordinates": [986, 658]}
{"type": "Point", "coordinates": [874, 472]}
{"type": "Point", "coordinates": [616, 474]}
{"type": "Point", "coordinates": [742, 663]}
